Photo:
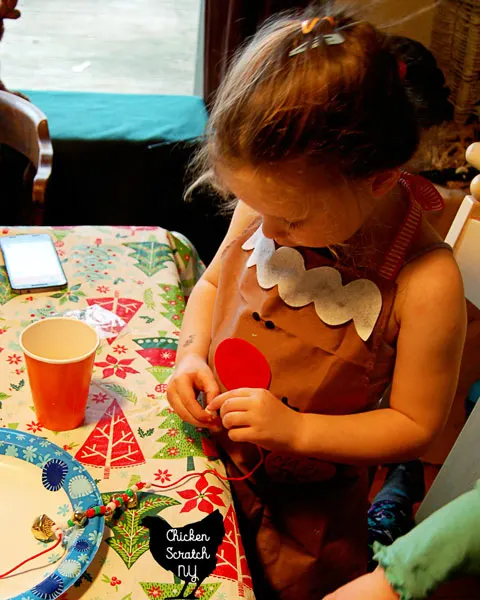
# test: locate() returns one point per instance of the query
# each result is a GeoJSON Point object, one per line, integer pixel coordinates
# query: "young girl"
{"type": "Point", "coordinates": [330, 270]}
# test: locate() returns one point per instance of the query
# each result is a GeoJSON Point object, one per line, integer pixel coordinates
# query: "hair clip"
{"type": "Point", "coordinates": [331, 39]}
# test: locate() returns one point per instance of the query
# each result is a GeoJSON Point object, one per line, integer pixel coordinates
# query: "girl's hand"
{"type": "Point", "coordinates": [192, 374]}
{"type": "Point", "coordinates": [373, 586]}
{"type": "Point", "coordinates": [258, 417]}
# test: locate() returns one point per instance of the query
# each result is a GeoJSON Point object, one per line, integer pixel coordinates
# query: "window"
{"type": "Point", "coordinates": [119, 46]}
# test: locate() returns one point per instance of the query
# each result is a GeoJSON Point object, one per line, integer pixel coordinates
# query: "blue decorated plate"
{"type": "Point", "coordinates": [37, 477]}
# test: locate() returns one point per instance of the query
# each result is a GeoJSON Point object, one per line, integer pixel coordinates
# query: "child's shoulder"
{"type": "Point", "coordinates": [431, 287]}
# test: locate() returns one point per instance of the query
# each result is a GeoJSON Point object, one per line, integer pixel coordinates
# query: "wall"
{"type": "Point", "coordinates": [385, 12]}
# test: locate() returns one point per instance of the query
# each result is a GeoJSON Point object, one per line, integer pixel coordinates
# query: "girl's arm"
{"type": "Point", "coordinates": [197, 322]}
{"type": "Point", "coordinates": [432, 323]}
{"type": "Point", "coordinates": [192, 373]}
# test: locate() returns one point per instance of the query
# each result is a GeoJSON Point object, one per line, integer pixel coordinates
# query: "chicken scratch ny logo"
{"type": "Point", "coordinates": [189, 552]}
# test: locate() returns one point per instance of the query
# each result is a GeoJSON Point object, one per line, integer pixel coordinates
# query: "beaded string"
{"type": "Point", "coordinates": [79, 518]}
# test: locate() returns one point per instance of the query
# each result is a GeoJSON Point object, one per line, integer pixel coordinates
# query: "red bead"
{"type": "Point", "coordinates": [90, 513]}
{"type": "Point", "coordinates": [103, 510]}
{"type": "Point", "coordinates": [140, 485]}
{"type": "Point", "coordinates": [125, 498]}
{"type": "Point", "coordinates": [117, 502]}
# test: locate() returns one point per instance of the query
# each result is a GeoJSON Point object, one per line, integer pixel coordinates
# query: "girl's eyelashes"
{"type": "Point", "coordinates": [294, 224]}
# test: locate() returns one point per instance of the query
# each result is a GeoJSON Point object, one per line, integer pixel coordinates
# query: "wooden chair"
{"type": "Point", "coordinates": [24, 128]}
{"type": "Point", "coordinates": [462, 467]}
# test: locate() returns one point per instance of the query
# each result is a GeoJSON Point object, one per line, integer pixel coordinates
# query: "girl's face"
{"type": "Point", "coordinates": [299, 208]}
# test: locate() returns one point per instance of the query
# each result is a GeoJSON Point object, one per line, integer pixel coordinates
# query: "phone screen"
{"type": "Point", "coordinates": [32, 262]}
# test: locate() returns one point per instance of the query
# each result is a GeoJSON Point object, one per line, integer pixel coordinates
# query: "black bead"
{"type": "Point", "coordinates": [269, 324]}
{"type": "Point", "coordinates": [256, 316]}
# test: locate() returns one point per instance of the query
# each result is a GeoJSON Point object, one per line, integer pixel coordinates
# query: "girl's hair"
{"type": "Point", "coordinates": [343, 106]}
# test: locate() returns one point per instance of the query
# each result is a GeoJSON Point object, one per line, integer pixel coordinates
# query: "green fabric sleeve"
{"type": "Point", "coordinates": [444, 545]}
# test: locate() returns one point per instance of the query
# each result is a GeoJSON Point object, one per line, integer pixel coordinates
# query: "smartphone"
{"type": "Point", "coordinates": [32, 263]}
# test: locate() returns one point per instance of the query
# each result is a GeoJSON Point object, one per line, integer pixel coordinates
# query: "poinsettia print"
{"type": "Point", "coordinates": [14, 359]}
{"type": "Point", "coordinates": [99, 398]}
{"type": "Point", "coordinates": [113, 366]}
{"type": "Point", "coordinates": [34, 427]}
{"type": "Point", "coordinates": [203, 497]}
{"type": "Point", "coordinates": [163, 476]}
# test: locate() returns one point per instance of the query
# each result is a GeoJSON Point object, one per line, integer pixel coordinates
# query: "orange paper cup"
{"type": "Point", "coordinates": [59, 354]}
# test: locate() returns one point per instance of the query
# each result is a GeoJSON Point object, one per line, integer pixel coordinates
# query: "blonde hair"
{"type": "Point", "coordinates": [342, 106]}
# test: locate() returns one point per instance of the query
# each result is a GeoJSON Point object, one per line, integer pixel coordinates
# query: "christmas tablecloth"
{"type": "Point", "coordinates": [144, 276]}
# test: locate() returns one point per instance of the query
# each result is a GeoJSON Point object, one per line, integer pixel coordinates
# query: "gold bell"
{"type": "Point", "coordinates": [133, 501]}
{"type": "Point", "coordinates": [42, 528]}
{"type": "Point", "coordinates": [79, 518]}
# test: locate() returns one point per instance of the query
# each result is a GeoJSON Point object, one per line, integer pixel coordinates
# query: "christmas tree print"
{"type": "Point", "coordinates": [181, 440]}
{"type": "Point", "coordinates": [95, 262]}
{"type": "Point", "coordinates": [173, 301]}
{"type": "Point", "coordinates": [111, 444]}
{"type": "Point", "coordinates": [161, 353]}
{"type": "Point", "coordinates": [151, 256]}
{"type": "Point", "coordinates": [162, 591]}
{"type": "Point", "coordinates": [130, 540]}
{"type": "Point", "coordinates": [6, 293]}
{"type": "Point", "coordinates": [231, 559]}
{"type": "Point", "coordinates": [189, 265]}
{"type": "Point", "coordinates": [125, 308]}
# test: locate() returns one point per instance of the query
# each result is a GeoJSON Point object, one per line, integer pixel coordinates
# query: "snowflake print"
{"type": "Point", "coordinates": [103, 289]}
{"type": "Point", "coordinates": [34, 427]}
{"type": "Point", "coordinates": [3, 330]}
{"type": "Point", "coordinates": [53, 558]}
{"type": "Point", "coordinates": [83, 558]}
{"type": "Point", "coordinates": [120, 349]}
{"type": "Point", "coordinates": [173, 451]}
{"type": "Point", "coordinates": [95, 537]}
{"type": "Point", "coordinates": [11, 451]}
{"type": "Point", "coordinates": [172, 432]}
{"type": "Point", "coordinates": [63, 510]}
{"type": "Point", "coordinates": [100, 398]}
{"type": "Point", "coordinates": [200, 592]}
{"type": "Point", "coordinates": [203, 497]}
{"type": "Point", "coordinates": [175, 317]}
{"type": "Point", "coordinates": [113, 366]}
{"type": "Point", "coordinates": [19, 371]}
{"type": "Point", "coordinates": [29, 454]}
{"type": "Point", "coordinates": [190, 440]}
{"type": "Point", "coordinates": [14, 359]}
{"type": "Point", "coordinates": [163, 476]}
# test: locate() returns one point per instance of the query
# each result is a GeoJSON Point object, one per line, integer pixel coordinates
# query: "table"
{"type": "Point", "coordinates": [144, 275]}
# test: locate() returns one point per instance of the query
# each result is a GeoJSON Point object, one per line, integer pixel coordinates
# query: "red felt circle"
{"type": "Point", "coordinates": [239, 364]}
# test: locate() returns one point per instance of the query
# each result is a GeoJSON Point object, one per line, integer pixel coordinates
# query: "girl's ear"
{"type": "Point", "coordinates": [384, 182]}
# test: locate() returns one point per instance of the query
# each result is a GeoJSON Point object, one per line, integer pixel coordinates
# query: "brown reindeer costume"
{"type": "Point", "coordinates": [305, 521]}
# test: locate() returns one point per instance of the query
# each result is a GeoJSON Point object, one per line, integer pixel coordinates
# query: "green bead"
{"type": "Point", "coordinates": [70, 523]}
{"type": "Point", "coordinates": [97, 511]}
{"type": "Point", "coordinates": [129, 492]}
